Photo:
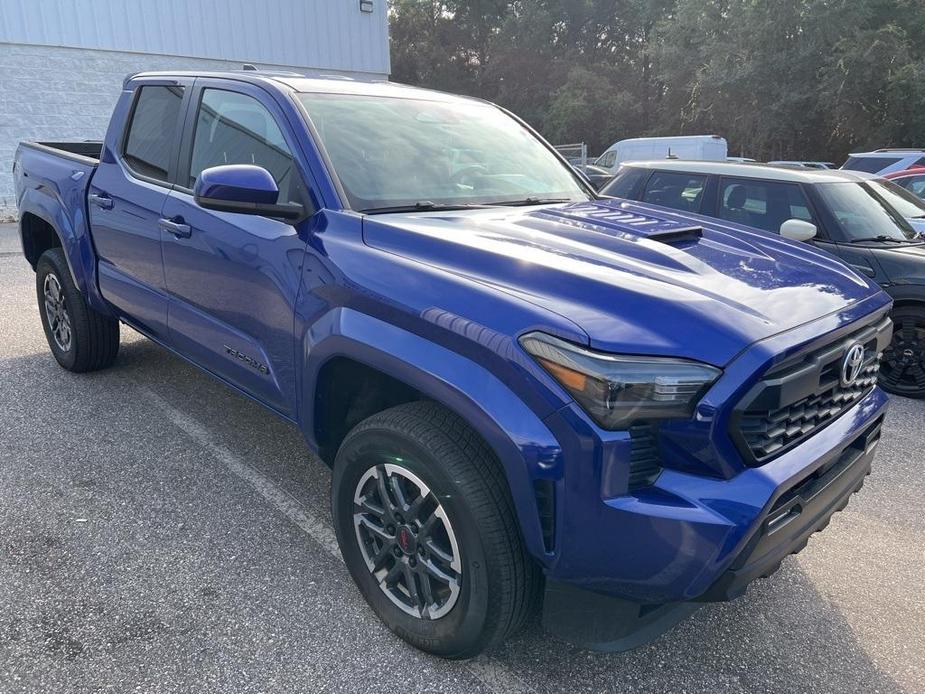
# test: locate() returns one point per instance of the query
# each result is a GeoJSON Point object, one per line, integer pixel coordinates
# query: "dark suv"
{"type": "Point", "coordinates": [866, 221]}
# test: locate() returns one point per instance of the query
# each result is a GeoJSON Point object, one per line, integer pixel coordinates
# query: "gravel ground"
{"type": "Point", "coordinates": [159, 533]}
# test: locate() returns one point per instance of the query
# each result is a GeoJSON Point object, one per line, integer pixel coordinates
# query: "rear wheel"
{"type": "Point", "coordinates": [427, 529]}
{"type": "Point", "coordinates": [902, 370]}
{"type": "Point", "coordinates": [80, 338]}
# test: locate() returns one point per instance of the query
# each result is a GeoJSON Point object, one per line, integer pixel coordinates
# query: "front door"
{"type": "Point", "coordinates": [126, 196]}
{"type": "Point", "coordinates": [233, 279]}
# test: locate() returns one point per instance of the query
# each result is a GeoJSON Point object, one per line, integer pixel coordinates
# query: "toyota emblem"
{"type": "Point", "coordinates": [851, 366]}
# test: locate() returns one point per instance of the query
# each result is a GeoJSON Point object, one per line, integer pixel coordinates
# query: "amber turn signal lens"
{"type": "Point", "coordinates": [575, 380]}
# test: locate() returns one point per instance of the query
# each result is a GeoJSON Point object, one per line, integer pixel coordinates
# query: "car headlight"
{"type": "Point", "coordinates": [616, 390]}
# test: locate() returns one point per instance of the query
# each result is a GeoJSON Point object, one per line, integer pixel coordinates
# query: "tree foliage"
{"type": "Point", "coordinates": [785, 79]}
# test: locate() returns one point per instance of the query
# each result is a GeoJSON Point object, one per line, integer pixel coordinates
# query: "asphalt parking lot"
{"type": "Point", "coordinates": [161, 534]}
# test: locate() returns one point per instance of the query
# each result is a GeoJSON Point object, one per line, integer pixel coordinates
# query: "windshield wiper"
{"type": "Point", "coordinates": [424, 206]}
{"type": "Point", "coordinates": [533, 201]}
{"type": "Point", "coordinates": [883, 239]}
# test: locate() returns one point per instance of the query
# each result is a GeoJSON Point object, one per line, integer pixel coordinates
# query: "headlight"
{"type": "Point", "coordinates": [617, 390]}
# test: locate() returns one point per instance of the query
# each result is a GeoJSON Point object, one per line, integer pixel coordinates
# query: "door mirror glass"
{"type": "Point", "coordinates": [242, 188]}
{"type": "Point", "coordinates": [797, 230]}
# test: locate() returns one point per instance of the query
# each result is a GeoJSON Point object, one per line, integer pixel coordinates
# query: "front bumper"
{"type": "Point", "coordinates": [696, 538]}
{"type": "Point", "coordinates": [798, 513]}
{"type": "Point", "coordinates": [604, 622]}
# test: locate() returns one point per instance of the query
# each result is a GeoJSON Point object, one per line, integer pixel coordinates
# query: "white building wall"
{"type": "Point", "coordinates": [324, 34]}
{"type": "Point", "coordinates": [62, 62]}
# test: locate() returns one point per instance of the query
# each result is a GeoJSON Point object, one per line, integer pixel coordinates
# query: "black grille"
{"type": "Point", "coordinates": [645, 465]}
{"type": "Point", "coordinates": [804, 394]}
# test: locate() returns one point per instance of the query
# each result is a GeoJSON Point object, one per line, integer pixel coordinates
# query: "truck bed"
{"type": "Point", "coordinates": [84, 151]}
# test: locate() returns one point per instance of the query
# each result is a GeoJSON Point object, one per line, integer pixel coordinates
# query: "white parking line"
{"type": "Point", "coordinates": [494, 675]}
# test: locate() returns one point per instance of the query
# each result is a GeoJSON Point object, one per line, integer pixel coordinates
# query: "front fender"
{"type": "Point", "coordinates": [906, 293]}
{"type": "Point", "coordinates": [523, 444]}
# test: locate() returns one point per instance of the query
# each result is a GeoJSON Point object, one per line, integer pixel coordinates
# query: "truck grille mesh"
{"type": "Point", "coordinates": [768, 432]}
{"type": "Point", "coordinates": [805, 393]}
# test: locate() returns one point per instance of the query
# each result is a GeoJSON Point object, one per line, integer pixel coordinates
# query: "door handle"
{"type": "Point", "coordinates": [864, 269]}
{"type": "Point", "coordinates": [177, 228]}
{"type": "Point", "coordinates": [101, 200]}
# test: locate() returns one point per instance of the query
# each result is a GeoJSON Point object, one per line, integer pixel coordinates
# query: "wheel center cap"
{"type": "Point", "coordinates": [406, 540]}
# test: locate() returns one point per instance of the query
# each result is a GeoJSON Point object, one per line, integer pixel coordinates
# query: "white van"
{"type": "Point", "coordinates": [689, 147]}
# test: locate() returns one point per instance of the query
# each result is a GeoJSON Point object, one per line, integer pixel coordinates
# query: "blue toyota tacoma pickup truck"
{"type": "Point", "coordinates": [526, 393]}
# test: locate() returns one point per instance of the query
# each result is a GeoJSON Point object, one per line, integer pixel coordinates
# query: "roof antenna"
{"type": "Point", "coordinates": [250, 68]}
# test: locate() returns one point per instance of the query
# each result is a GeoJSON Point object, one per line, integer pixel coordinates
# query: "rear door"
{"type": "Point", "coordinates": [233, 279]}
{"type": "Point", "coordinates": [126, 196]}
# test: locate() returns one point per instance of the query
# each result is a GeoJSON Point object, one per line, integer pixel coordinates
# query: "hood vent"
{"type": "Point", "coordinates": [671, 236]}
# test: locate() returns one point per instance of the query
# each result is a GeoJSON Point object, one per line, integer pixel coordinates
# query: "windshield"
{"type": "Point", "coordinates": [393, 152]}
{"type": "Point", "coordinates": [903, 201]}
{"type": "Point", "coordinates": [862, 213]}
{"type": "Point", "coordinates": [869, 164]}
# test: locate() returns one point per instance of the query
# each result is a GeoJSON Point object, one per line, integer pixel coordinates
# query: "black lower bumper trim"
{"type": "Point", "coordinates": [797, 514]}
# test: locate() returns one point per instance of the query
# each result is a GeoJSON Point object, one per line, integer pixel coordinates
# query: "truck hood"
{"type": "Point", "coordinates": [636, 279]}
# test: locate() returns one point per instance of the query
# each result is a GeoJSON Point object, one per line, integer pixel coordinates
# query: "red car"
{"type": "Point", "coordinates": [912, 180]}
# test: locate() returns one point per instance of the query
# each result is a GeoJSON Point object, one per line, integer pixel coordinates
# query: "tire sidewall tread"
{"type": "Point", "coordinates": [94, 337]}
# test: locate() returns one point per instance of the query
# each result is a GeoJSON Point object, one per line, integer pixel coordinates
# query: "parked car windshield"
{"type": "Point", "coordinates": [390, 153]}
{"type": "Point", "coordinates": [862, 213]}
{"type": "Point", "coordinates": [869, 164]}
{"type": "Point", "coordinates": [903, 201]}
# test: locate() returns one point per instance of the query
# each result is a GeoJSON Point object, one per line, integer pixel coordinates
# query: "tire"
{"type": "Point", "coordinates": [80, 338]}
{"type": "Point", "coordinates": [423, 444]}
{"type": "Point", "coordinates": [902, 371]}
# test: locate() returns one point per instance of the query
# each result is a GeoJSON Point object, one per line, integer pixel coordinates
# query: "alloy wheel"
{"type": "Point", "coordinates": [407, 541]}
{"type": "Point", "coordinates": [903, 366]}
{"type": "Point", "coordinates": [59, 321]}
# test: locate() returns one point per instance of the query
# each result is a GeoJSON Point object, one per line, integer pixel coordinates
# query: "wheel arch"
{"type": "Point", "coordinates": [904, 295]}
{"type": "Point", "coordinates": [44, 223]}
{"type": "Point", "coordinates": [419, 369]}
{"type": "Point", "coordinates": [909, 302]}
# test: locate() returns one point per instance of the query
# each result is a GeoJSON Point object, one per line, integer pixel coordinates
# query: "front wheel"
{"type": "Point", "coordinates": [902, 370]}
{"type": "Point", "coordinates": [426, 527]}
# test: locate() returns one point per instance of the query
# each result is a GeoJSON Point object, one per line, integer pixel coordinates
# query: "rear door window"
{"type": "Point", "coordinates": [762, 204]}
{"type": "Point", "coordinates": [679, 191]}
{"type": "Point", "coordinates": [152, 131]}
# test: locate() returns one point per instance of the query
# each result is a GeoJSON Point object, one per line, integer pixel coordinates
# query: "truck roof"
{"type": "Point", "coordinates": [324, 84]}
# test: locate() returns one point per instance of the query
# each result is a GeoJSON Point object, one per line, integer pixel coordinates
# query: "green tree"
{"type": "Point", "coordinates": [782, 79]}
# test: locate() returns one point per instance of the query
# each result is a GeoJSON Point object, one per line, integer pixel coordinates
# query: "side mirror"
{"type": "Point", "coordinates": [242, 188]}
{"type": "Point", "coordinates": [797, 230]}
